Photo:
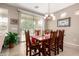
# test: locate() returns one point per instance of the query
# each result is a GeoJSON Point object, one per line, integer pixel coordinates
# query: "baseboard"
{"type": "Point", "coordinates": [75, 46]}
{"type": "Point", "coordinates": [21, 41]}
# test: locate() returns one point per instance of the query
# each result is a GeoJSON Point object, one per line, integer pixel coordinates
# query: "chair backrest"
{"type": "Point", "coordinates": [27, 36]}
{"type": "Point", "coordinates": [37, 32]}
{"type": "Point", "coordinates": [53, 37]}
{"type": "Point", "coordinates": [61, 35]}
{"type": "Point", "coordinates": [47, 31]}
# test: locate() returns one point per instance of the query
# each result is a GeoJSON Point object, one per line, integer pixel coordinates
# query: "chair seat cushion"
{"type": "Point", "coordinates": [33, 40]}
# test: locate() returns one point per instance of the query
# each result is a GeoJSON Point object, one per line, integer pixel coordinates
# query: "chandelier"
{"type": "Point", "coordinates": [49, 16]}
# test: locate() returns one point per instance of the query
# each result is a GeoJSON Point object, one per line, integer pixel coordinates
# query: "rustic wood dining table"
{"type": "Point", "coordinates": [41, 40]}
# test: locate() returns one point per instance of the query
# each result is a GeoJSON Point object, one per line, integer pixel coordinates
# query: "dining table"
{"type": "Point", "coordinates": [41, 39]}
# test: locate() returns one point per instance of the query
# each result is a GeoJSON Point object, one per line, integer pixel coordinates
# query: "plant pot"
{"type": "Point", "coordinates": [11, 45]}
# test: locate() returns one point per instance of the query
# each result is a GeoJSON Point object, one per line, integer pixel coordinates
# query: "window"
{"type": "Point", "coordinates": [3, 20]}
{"type": "Point", "coordinates": [29, 22]}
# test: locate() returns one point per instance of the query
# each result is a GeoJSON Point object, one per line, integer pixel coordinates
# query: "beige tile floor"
{"type": "Point", "coordinates": [19, 50]}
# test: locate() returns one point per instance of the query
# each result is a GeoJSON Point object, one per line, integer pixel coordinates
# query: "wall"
{"type": "Point", "coordinates": [71, 33]}
{"type": "Point", "coordinates": [12, 13]}
{"type": "Point", "coordinates": [15, 14]}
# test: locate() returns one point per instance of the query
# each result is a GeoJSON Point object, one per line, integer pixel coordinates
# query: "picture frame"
{"type": "Point", "coordinates": [65, 22]}
{"type": "Point", "coordinates": [13, 21]}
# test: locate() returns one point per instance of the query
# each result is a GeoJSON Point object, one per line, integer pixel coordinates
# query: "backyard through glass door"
{"type": "Point", "coordinates": [27, 23]}
{"type": "Point", "coordinates": [31, 23]}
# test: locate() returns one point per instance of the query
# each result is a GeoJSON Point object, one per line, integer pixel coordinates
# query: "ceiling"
{"type": "Point", "coordinates": [42, 7]}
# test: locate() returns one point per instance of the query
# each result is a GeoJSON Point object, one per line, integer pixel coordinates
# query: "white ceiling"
{"type": "Point", "coordinates": [43, 7]}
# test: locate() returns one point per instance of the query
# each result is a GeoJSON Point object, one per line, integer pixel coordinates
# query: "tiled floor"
{"type": "Point", "coordinates": [19, 50]}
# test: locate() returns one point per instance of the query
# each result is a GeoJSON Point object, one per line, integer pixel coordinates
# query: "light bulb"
{"type": "Point", "coordinates": [53, 16]}
{"type": "Point", "coordinates": [46, 15]}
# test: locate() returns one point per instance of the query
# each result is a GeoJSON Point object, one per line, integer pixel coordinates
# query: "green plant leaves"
{"type": "Point", "coordinates": [10, 38]}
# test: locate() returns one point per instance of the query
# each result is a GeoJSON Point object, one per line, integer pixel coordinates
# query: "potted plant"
{"type": "Point", "coordinates": [10, 40]}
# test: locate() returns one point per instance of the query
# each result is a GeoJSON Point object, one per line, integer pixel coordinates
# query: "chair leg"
{"type": "Point", "coordinates": [30, 52]}
{"type": "Point", "coordinates": [27, 51]}
{"type": "Point", "coordinates": [35, 50]}
{"type": "Point", "coordinates": [44, 51]}
{"type": "Point", "coordinates": [49, 49]}
{"type": "Point", "coordinates": [39, 51]}
{"type": "Point", "coordinates": [55, 52]}
{"type": "Point", "coordinates": [57, 49]}
{"type": "Point", "coordinates": [62, 47]}
{"type": "Point", "coordinates": [49, 52]}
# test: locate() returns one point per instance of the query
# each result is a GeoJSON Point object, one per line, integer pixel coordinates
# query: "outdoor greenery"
{"type": "Point", "coordinates": [27, 24]}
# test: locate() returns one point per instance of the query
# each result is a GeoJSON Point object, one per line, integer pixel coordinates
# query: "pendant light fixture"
{"type": "Point", "coordinates": [49, 16]}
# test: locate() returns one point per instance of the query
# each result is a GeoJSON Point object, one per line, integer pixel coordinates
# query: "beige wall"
{"type": "Point", "coordinates": [12, 13]}
{"type": "Point", "coordinates": [72, 32]}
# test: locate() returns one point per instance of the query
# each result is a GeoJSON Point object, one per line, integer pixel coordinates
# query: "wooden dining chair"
{"type": "Point", "coordinates": [61, 38]}
{"type": "Point", "coordinates": [53, 42]}
{"type": "Point", "coordinates": [37, 32]}
{"type": "Point", "coordinates": [57, 42]}
{"type": "Point", "coordinates": [30, 48]}
{"type": "Point", "coordinates": [47, 31]}
{"type": "Point", "coordinates": [46, 47]}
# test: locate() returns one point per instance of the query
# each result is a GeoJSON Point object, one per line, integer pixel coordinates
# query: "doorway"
{"type": "Point", "coordinates": [26, 23]}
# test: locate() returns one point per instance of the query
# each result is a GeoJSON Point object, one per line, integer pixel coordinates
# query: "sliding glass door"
{"type": "Point", "coordinates": [31, 23]}
{"type": "Point", "coordinates": [26, 23]}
